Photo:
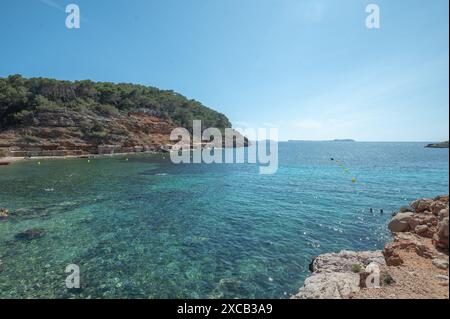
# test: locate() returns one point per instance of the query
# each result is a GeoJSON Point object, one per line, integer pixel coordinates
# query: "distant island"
{"type": "Point", "coordinates": [47, 117]}
{"type": "Point", "coordinates": [438, 145]}
{"type": "Point", "coordinates": [335, 140]}
{"type": "Point", "coordinates": [343, 140]}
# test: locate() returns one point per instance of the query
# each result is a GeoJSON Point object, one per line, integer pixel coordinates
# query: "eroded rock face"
{"type": "Point", "coordinates": [421, 205]}
{"type": "Point", "coordinates": [329, 285]}
{"type": "Point", "coordinates": [440, 238]}
{"type": "Point", "coordinates": [429, 220]}
{"type": "Point", "coordinates": [440, 263]}
{"type": "Point", "coordinates": [405, 241]}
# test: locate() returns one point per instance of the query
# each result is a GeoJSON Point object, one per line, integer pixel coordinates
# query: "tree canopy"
{"type": "Point", "coordinates": [21, 97]}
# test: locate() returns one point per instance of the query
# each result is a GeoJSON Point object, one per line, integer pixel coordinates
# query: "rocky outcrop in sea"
{"type": "Point", "coordinates": [414, 265]}
{"type": "Point", "coordinates": [438, 145]}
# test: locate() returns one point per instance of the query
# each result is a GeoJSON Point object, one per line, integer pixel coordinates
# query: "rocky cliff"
{"type": "Point", "coordinates": [64, 132]}
{"type": "Point", "coordinates": [413, 265]}
{"type": "Point", "coordinates": [45, 117]}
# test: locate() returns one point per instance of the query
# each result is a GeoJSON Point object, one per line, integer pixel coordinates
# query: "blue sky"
{"type": "Point", "coordinates": [309, 67]}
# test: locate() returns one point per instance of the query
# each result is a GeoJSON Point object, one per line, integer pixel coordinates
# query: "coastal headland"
{"type": "Point", "coordinates": [42, 117]}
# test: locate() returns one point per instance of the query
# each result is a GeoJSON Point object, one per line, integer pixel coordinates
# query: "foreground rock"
{"type": "Point", "coordinates": [332, 285]}
{"type": "Point", "coordinates": [336, 276]}
{"type": "Point", "coordinates": [414, 265]}
{"type": "Point", "coordinates": [429, 219]}
{"type": "Point", "coordinates": [400, 222]}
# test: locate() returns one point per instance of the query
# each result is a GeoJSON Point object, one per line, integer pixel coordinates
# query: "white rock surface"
{"type": "Point", "coordinates": [343, 261]}
{"type": "Point", "coordinates": [330, 285]}
{"type": "Point", "coordinates": [333, 277]}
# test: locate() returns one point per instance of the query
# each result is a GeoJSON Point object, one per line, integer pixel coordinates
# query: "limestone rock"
{"type": "Point", "coordinates": [400, 222]}
{"type": "Point", "coordinates": [437, 206]}
{"type": "Point", "coordinates": [443, 214]}
{"type": "Point", "coordinates": [329, 285]}
{"type": "Point", "coordinates": [440, 263]}
{"type": "Point", "coordinates": [422, 205]}
{"type": "Point", "coordinates": [421, 229]}
{"type": "Point", "coordinates": [440, 238]}
{"type": "Point", "coordinates": [343, 261]}
{"type": "Point", "coordinates": [443, 280]}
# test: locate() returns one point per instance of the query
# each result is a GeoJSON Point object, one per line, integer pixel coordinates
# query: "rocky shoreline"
{"type": "Point", "coordinates": [438, 145]}
{"type": "Point", "coordinates": [414, 265]}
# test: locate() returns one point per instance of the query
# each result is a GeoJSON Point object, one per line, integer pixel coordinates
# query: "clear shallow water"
{"type": "Point", "coordinates": [145, 228]}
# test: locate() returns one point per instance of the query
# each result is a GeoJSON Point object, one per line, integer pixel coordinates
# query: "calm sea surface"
{"type": "Point", "coordinates": [146, 228]}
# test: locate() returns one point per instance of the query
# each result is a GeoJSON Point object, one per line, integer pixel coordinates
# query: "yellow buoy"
{"type": "Point", "coordinates": [353, 180]}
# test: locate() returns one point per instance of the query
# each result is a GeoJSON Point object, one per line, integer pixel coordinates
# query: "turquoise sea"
{"type": "Point", "coordinates": [146, 228]}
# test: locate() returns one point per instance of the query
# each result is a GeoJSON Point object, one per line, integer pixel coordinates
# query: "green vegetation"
{"type": "Point", "coordinates": [388, 280]}
{"type": "Point", "coordinates": [356, 268]}
{"type": "Point", "coordinates": [21, 99]}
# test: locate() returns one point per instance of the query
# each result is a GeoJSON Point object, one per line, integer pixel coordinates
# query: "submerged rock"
{"type": "Point", "coordinates": [30, 234]}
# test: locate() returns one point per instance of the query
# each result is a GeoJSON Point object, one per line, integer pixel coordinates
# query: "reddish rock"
{"type": "Point", "coordinates": [440, 238]}
{"type": "Point", "coordinates": [437, 206]}
{"type": "Point", "coordinates": [421, 229]}
{"type": "Point", "coordinates": [443, 213]}
{"type": "Point", "coordinates": [422, 205]}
